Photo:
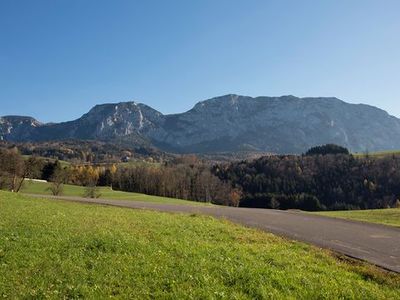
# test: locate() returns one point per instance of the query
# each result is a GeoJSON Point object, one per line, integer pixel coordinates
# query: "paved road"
{"type": "Point", "coordinates": [377, 244]}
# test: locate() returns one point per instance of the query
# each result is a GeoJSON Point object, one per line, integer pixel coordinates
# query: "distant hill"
{"type": "Point", "coordinates": [230, 123]}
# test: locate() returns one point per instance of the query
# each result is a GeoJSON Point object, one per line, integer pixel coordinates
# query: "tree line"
{"type": "Point", "coordinates": [186, 178]}
{"type": "Point", "coordinates": [316, 181]}
{"type": "Point", "coordinates": [325, 178]}
{"type": "Point", "coordinates": [182, 181]}
{"type": "Point", "coordinates": [15, 169]}
{"type": "Point", "coordinates": [86, 152]}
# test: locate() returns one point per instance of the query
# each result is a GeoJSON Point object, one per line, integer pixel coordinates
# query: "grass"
{"type": "Point", "coordinates": [53, 249]}
{"type": "Point", "coordinates": [139, 163]}
{"type": "Point", "coordinates": [379, 154]}
{"type": "Point", "coordinates": [42, 188]}
{"type": "Point", "coordinates": [389, 216]}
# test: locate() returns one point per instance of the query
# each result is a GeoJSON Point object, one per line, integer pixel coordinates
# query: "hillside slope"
{"type": "Point", "coordinates": [55, 249]}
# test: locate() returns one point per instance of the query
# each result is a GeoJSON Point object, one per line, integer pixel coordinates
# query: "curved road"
{"type": "Point", "coordinates": [377, 244]}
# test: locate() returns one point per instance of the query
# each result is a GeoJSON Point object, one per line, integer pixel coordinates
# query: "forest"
{"type": "Point", "coordinates": [86, 152]}
{"type": "Point", "coordinates": [184, 178]}
{"type": "Point", "coordinates": [324, 178]}
{"type": "Point", "coordinates": [319, 180]}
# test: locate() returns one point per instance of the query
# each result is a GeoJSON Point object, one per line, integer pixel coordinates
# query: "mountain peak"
{"type": "Point", "coordinates": [228, 100]}
{"type": "Point", "coordinates": [20, 120]}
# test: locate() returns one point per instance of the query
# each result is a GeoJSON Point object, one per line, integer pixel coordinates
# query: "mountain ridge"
{"type": "Point", "coordinates": [285, 124]}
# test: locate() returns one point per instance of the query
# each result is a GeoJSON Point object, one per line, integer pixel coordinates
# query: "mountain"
{"type": "Point", "coordinates": [229, 123]}
{"type": "Point", "coordinates": [128, 120]}
{"type": "Point", "coordinates": [17, 126]}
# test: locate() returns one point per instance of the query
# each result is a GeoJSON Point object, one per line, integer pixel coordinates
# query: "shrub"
{"type": "Point", "coordinates": [397, 204]}
{"type": "Point", "coordinates": [56, 188]}
{"type": "Point", "coordinates": [92, 191]}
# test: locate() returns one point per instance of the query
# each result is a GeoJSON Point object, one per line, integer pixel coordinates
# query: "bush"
{"type": "Point", "coordinates": [56, 188]}
{"type": "Point", "coordinates": [92, 191]}
{"type": "Point", "coordinates": [397, 204]}
{"type": "Point", "coordinates": [58, 178]}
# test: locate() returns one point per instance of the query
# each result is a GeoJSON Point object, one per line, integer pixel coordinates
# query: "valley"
{"type": "Point", "coordinates": [211, 150]}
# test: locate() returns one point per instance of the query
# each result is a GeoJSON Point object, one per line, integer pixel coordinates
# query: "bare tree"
{"type": "Point", "coordinates": [58, 179]}
{"type": "Point", "coordinates": [15, 169]}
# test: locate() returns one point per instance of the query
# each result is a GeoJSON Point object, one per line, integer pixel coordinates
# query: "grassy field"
{"type": "Point", "coordinates": [379, 154]}
{"type": "Point", "coordinates": [139, 163]}
{"type": "Point", "coordinates": [68, 250]}
{"type": "Point", "coordinates": [42, 188]}
{"type": "Point", "coordinates": [389, 216]}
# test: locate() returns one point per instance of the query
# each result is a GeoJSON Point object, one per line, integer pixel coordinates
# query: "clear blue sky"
{"type": "Point", "coordinates": [59, 58]}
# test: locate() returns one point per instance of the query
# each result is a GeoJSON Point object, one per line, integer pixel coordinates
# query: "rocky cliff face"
{"type": "Point", "coordinates": [17, 126]}
{"type": "Point", "coordinates": [279, 124]}
{"type": "Point", "coordinates": [102, 122]}
{"type": "Point", "coordinates": [229, 123]}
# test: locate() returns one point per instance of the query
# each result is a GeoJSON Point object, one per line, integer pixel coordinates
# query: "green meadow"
{"type": "Point", "coordinates": [42, 188]}
{"type": "Point", "coordinates": [389, 216]}
{"type": "Point", "coordinates": [379, 154]}
{"type": "Point", "coordinates": [64, 250]}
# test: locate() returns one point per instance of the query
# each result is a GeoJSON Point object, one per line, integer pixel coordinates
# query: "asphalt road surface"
{"type": "Point", "coordinates": [374, 243]}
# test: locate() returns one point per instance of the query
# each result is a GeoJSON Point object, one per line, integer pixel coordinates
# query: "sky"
{"type": "Point", "coordinates": [58, 58]}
